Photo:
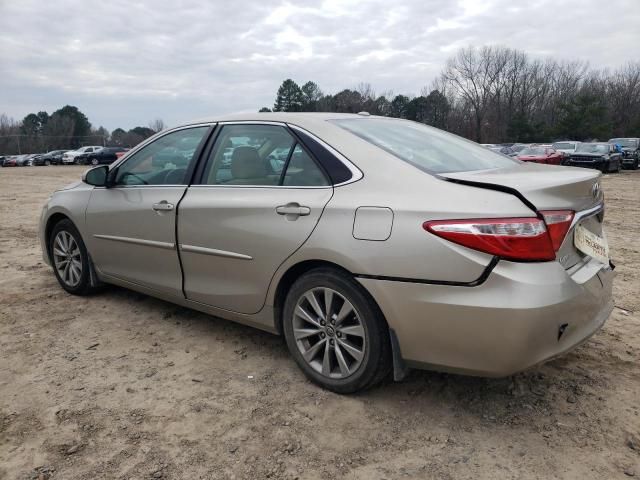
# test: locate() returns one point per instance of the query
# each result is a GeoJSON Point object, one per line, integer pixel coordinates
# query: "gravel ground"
{"type": "Point", "coordinates": [120, 385]}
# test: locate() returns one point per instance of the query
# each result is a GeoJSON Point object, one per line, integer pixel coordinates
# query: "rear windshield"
{"type": "Point", "coordinates": [427, 148]}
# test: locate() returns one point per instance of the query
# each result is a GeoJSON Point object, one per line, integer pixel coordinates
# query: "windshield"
{"type": "Point", "coordinates": [592, 148]}
{"type": "Point", "coordinates": [625, 142]}
{"type": "Point", "coordinates": [532, 151]}
{"type": "Point", "coordinates": [563, 146]}
{"type": "Point", "coordinates": [425, 147]}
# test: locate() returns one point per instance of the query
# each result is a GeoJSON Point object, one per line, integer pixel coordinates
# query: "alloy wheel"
{"type": "Point", "coordinates": [67, 258]}
{"type": "Point", "coordinates": [329, 333]}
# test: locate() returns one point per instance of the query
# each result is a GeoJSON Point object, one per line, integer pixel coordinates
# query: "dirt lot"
{"type": "Point", "coordinates": [120, 385]}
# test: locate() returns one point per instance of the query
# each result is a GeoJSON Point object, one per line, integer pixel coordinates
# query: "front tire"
{"type": "Point", "coordinates": [70, 259]}
{"type": "Point", "coordinates": [335, 332]}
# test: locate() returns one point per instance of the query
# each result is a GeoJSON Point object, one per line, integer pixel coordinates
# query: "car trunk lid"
{"type": "Point", "coordinates": [543, 187]}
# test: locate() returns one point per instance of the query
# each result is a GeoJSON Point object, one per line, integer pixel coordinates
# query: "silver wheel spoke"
{"type": "Point", "coordinates": [355, 330]}
{"type": "Point", "coordinates": [353, 351]}
{"type": "Point", "coordinates": [57, 251]}
{"type": "Point", "coordinates": [66, 273]}
{"type": "Point", "coordinates": [326, 360]}
{"type": "Point", "coordinates": [301, 333]}
{"type": "Point", "coordinates": [313, 351]}
{"type": "Point", "coordinates": [313, 301]}
{"type": "Point", "coordinates": [328, 300]}
{"type": "Point", "coordinates": [345, 310]}
{"type": "Point", "coordinates": [61, 245]}
{"type": "Point", "coordinates": [344, 368]}
{"type": "Point", "coordinates": [301, 312]}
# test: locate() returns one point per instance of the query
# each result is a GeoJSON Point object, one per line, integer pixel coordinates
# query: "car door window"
{"type": "Point", "coordinates": [260, 155]}
{"type": "Point", "coordinates": [248, 155]}
{"type": "Point", "coordinates": [162, 162]}
{"type": "Point", "coordinates": [303, 171]}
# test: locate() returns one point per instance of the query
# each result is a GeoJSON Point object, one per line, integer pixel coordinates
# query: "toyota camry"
{"type": "Point", "coordinates": [373, 245]}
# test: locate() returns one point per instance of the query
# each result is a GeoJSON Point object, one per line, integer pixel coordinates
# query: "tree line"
{"type": "Point", "coordinates": [496, 94]}
{"type": "Point", "coordinates": [65, 129]}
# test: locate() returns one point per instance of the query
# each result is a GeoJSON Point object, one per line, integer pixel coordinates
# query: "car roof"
{"type": "Point", "coordinates": [297, 118]}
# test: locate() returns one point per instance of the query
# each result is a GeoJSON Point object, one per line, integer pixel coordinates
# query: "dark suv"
{"type": "Point", "coordinates": [630, 151]}
{"type": "Point", "coordinates": [106, 155]}
{"type": "Point", "coordinates": [601, 156]}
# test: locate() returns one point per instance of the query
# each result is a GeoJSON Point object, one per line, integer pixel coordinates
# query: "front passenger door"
{"type": "Point", "coordinates": [131, 224]}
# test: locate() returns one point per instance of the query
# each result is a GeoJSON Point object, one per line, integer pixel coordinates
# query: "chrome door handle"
{"type": "Point", "coordinates": [163, 206]}
{"type": "Point", "coordinates": [293, 209]}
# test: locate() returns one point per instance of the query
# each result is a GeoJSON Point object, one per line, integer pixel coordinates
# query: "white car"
{"type": "Point", "coordinates": [567, 147]}
{"type": "Point", "coordinates": [70, 157]}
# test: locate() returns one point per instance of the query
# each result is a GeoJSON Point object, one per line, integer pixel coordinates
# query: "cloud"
{"type": "Point", "coordinates": [124, 63]}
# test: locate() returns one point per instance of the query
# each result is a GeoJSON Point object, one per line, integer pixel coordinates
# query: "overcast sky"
{"type": "Point", "coordinates": [124, 63]}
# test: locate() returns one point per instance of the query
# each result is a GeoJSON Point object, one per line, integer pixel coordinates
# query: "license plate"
{"type": "Point", "coordinates": [591, 244]}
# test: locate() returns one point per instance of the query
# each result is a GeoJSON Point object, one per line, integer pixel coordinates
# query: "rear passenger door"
{"type": "Point", "coordinates": [259, 198]}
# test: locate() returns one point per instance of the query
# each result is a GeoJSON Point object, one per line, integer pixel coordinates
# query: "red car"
{"type": "Point", "coordinates": [541, 155]}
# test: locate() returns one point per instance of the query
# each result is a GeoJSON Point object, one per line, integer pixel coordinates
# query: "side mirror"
{"type": "Point", "coordinates": [97, 176]}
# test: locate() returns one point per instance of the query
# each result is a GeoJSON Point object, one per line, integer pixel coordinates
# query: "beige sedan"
{"type": "Point", "coordinates": [372, 244]}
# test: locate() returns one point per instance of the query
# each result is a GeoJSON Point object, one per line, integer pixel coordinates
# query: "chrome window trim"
{"type": "Point", "coordinates": [286, 187]}
{"type": "Point", "coordinates": [355, 171]}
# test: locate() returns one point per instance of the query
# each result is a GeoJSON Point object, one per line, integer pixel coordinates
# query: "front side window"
{"type": "Point", "coordinates": [427, 148]}
{"type": "Point", "coordinates": [260, 155]}
{"type": "Point", "coordinates": [164, 161]}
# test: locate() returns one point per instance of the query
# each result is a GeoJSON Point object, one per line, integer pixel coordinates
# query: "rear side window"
{"type": "Point", "coordinates": [260, 155]}
{"type": "Point", "coordinates": [427, 148]}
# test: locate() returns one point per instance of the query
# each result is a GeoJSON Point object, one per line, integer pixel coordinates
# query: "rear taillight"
{"type": "Point", "coordinates": [558, 223]}
{"type": "Point", "coordinates": [520, 239]}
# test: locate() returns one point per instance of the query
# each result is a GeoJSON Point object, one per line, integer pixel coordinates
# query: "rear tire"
{"type": "Point", "coordinates": [70, 259]}
{"type": "Point", "coordinates": [94, 161]}
{"type": "Point", "coordinates": [335, 331]}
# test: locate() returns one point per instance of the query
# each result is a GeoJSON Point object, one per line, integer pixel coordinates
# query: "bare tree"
{"type": "Point", "coordinates": [157, 125]}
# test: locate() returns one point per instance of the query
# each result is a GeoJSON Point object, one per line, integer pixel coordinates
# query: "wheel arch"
{"type": "Point", "coordinates": [52, 221]}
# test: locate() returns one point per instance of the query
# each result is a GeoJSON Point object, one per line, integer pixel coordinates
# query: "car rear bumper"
{"type": "Point", "coordinates": [523, 314]}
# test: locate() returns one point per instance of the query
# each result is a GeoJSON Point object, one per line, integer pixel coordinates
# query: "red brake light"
{"type": "Point", "coordinates": [521, 239]}
{"type": "Point", "coordinates": [558, 223]}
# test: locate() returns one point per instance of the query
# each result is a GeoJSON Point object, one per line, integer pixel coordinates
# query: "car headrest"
{"type": "Point", "coordinates": [246, 163]}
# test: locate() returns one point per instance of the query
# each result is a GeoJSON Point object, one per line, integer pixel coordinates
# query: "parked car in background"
{"type": "Point", "coordinates": [503, 150]}
{"type": "Point", "coordinates": [11, 161]}
{"type": "Point", "coordinates": [27, 160]}
{"type": "Point", "coordinates": [518, 147]}
{"type": "Point", "coordinates": [54, 157]}
{"type": "Point", "coordinates": [2, 159]}
{"type": "Point", "coordinates": [122, 153]}
{"type": "Point", "coordinates": [630, 151]}
{"type": "Point", "coordinates": [541, 154]}
{"type": "Point", "coordinates": [380, 244]}
{"type": "Point", "coordinates": [599, 155]}
{"type": "Point", "coordinates": [106, 155]}
{"type": "Point", "coordinates": [69, 158]}
{"type": "Point", "coordinates": [565, 146]}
